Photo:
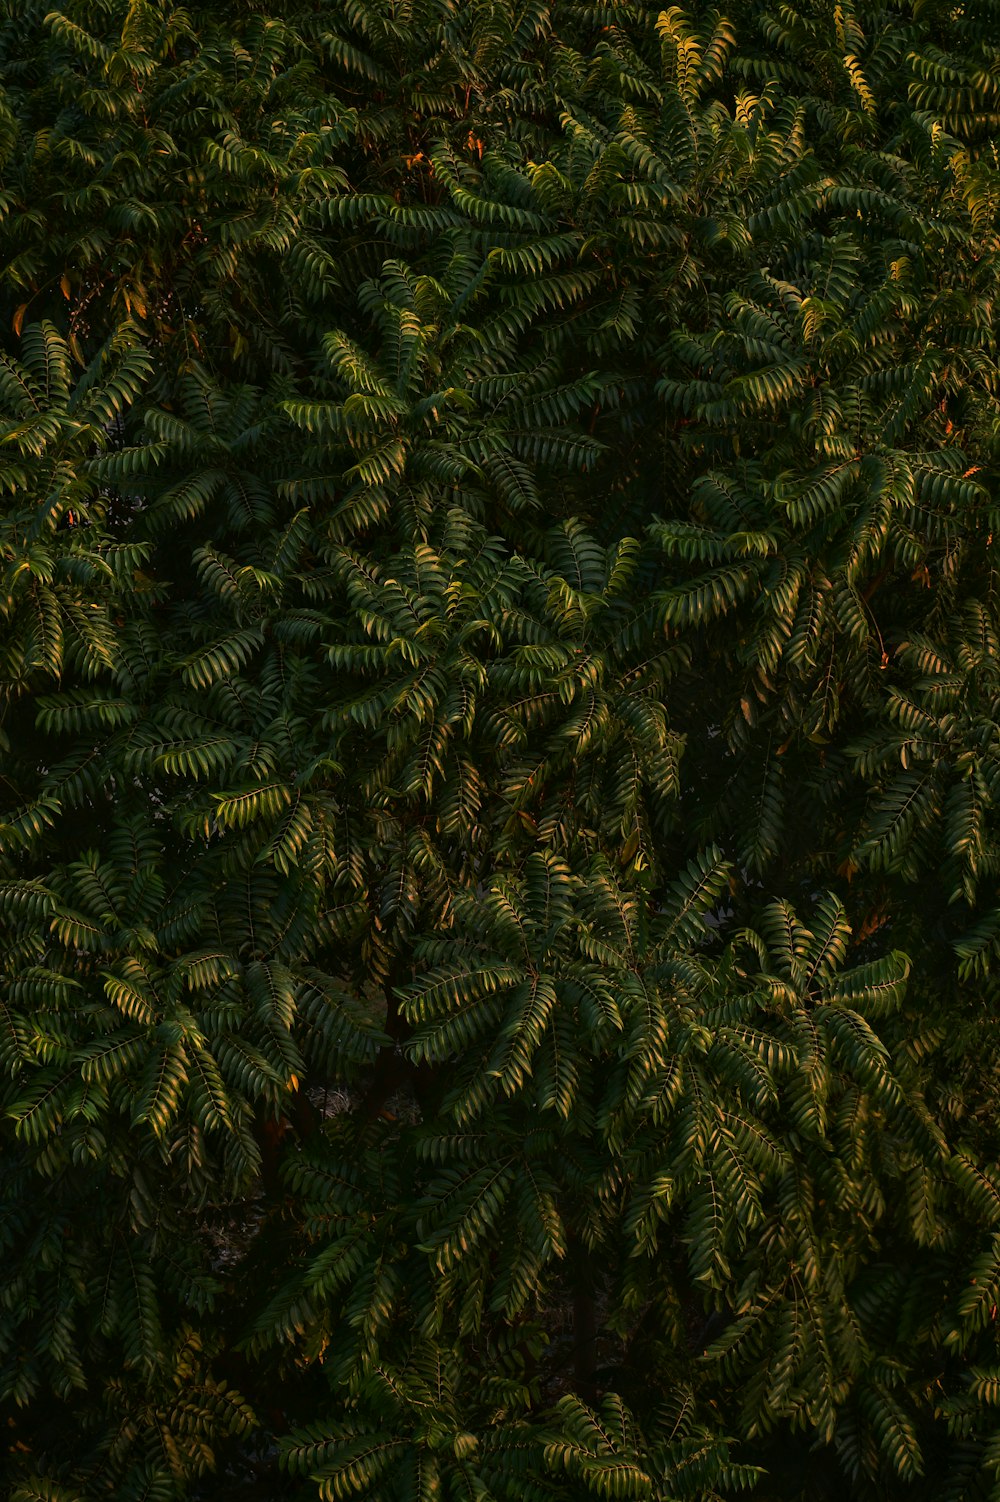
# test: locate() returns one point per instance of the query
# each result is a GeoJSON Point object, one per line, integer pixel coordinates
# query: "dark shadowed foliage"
{"type": "Point", "coordinates": [499, 751]}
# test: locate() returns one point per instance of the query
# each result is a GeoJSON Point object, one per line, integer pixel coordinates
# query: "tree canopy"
{"type": "Point", "coordinates": [499, 750]}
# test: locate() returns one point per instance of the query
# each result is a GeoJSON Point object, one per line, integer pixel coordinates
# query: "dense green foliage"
{"type": "Point", "coordinates": [499, 750]}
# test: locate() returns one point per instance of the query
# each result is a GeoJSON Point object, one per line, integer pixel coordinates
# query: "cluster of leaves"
{"type": "Point", "coordinates": [499, 752]}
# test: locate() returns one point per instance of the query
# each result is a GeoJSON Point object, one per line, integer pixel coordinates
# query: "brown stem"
{"type": "Point", "coordinates": [584, 1322]}
{"type": "Point", "coordinates": [393, 1069]}
{"type": "Point", "coordinates": [585, 1344]}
